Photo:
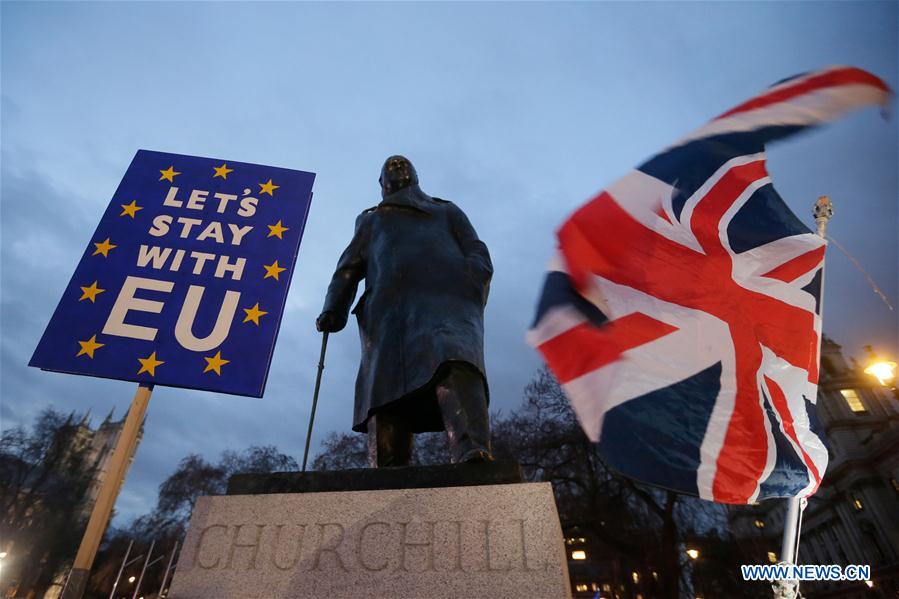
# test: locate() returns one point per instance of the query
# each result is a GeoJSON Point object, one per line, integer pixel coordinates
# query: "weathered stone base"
{"type": "Point", "coordinates": [474, 541]}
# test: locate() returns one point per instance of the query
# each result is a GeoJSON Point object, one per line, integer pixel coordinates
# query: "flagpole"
{"type": "Point", "coordinates": [789, 549]}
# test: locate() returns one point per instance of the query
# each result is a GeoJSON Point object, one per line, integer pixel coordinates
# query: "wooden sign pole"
{"type": "Point", "coordinates": [109, 491]}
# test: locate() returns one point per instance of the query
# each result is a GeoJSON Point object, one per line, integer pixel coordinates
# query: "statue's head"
{"type": "Point", "coordinates": [396, 174]}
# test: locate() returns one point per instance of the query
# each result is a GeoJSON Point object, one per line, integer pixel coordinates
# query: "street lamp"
{"type": "Point", "coordinates": [693, 553]}
{"type": "Point", "coordinates": [883, 370]}
{"type": "Point", "coordinates": [131, 579]}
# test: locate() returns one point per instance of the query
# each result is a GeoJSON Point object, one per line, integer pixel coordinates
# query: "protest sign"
{"type": "Point", "coordinates": [185, 280]}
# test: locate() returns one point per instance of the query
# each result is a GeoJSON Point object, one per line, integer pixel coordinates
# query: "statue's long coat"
{"type": "Point", "coordinates": [427, 276]}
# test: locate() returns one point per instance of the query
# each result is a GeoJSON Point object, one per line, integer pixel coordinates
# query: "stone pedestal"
{"type": "Point", "coordinates": [497, 540]}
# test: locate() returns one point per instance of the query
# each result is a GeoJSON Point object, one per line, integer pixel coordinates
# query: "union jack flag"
{"type": "Point", "coordinates": [682, 312]}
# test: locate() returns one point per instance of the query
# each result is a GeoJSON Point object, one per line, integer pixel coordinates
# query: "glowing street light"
{"type": "Point", "coordinates": [579, 554]}
{"type": "Point", "coordinates": [884, 371]}
{"type": "Point", "coordinates": [693, 553]}
{"type": "Point", "coordinates": [131, 579]}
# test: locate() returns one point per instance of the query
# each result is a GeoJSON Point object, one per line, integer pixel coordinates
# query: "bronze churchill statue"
{"type": "Point", "coordinates": [421, 321]}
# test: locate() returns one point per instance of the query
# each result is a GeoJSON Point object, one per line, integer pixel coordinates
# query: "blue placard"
{"type": "Point", "coordinates": [185, 279]}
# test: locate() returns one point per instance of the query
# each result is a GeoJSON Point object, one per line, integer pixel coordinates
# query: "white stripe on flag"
{"type": "Point", "coordinates": [816, 107]}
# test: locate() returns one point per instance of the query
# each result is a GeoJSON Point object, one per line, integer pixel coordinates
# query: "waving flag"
{"type": "Point", "coordinates": [681, 314]}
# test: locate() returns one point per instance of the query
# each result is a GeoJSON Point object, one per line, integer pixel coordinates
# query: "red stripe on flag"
{"type": "Point", "coordinates": [743, 455]}
{"type": "Point", "coordinates": [783, 410]}
{"type": "Point", "coordinates": [720, 198]}
{"type": "Point", "coordinates": [813, 358]}
{"type": "Point", "coordinates": [661, 212]}
{"type": "Point", "coordinates": [587, 347]}
{"type": "Point", "coordinates": [844, 76]}
{"type": "Point", "coordinates": [798, 266]}
{"type": "Point", "coordinates": [578, 248]}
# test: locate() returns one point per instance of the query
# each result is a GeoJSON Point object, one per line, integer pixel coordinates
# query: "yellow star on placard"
{"type": "Point", "coordinates": [149, 364]}
{"type": "Point", "coordinates": [88, 347]}
{"type": "Point", "coordinates": [253, 314]}
{"type": "Point", "coordinates": [222, 171]}
{"type": "Point", "coordinates": [90, 292]}
{"type": "Point", "coordinates": [103, 247]}
{"type": "Point", "coordinates": [130, 209]}
{"type": "Point", "coordinates": [215, 363]}
{"type": "Point", "coordinates": [272, 270]}
{"type": "Point", "coordinates": [276, 230]}
{"type": "Point", "coordinates": [169, 174]}
{"type": "Point", "coordinates": [268, 187]}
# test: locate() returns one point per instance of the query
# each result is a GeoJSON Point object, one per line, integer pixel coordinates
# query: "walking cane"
{"type": "Point", "coordinates": [318, 382]}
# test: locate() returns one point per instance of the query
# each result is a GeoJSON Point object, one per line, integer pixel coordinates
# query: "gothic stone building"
{"type": "Point", "coordinates": [99, 445]}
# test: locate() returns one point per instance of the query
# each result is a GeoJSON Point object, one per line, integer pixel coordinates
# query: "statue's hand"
{"type": "Point", "coordinates": [327, 322]}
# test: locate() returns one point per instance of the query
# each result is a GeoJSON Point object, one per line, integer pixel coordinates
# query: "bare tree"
{"type": "Point", "coordinates": [44, 474]}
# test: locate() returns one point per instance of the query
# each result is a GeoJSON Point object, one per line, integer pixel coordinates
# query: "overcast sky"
{"type": "Point", "coordinates": [516, 112]}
